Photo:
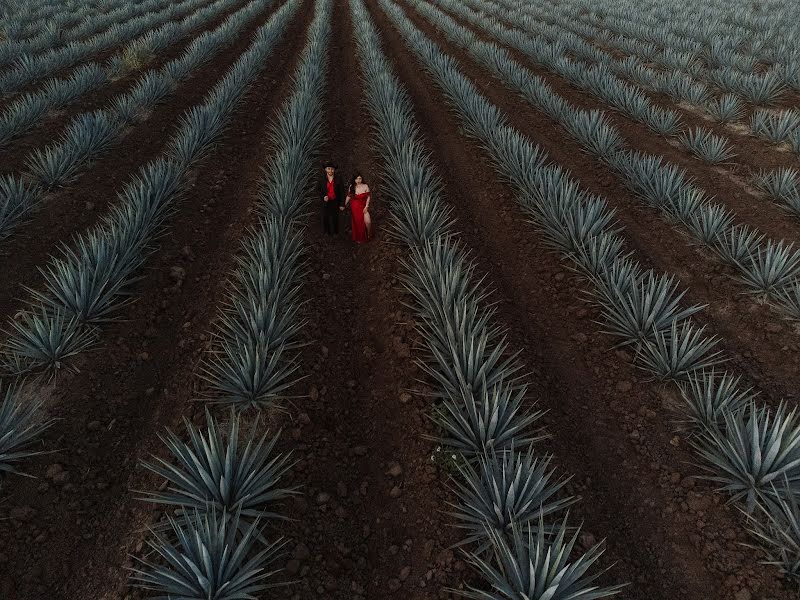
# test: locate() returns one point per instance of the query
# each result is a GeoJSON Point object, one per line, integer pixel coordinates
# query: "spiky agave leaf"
{"type": "Point", "coordinates": [466, 350]}
{"type": "Point", "coordinates": [504, 489]}
{"type": "Point", "coordinates": [598, 253]}
{"type": "Point", "coordinates": [755, 448]}
{"type": "Point", "coordinates": [709, 222]}
{"type": "Point", "coordinates": [677, 352]}
{"type": "Point", "coordinates": [652, 178]}
{"type": "Point", "coordinates": [88, 134]}
{"type": "Point", "coordinates": [710, 397]}
{"type": "Point", "coordinates": [208, 559]}
{"type": "Point", "coordinates": [707, 146]}
{"type": "Point", "coordinates": [725, 110]}
{"type": "Point", "coordinates": [417, 215]}
{"type": "Point", "coordinates": [737, 243]}
{"type": "Point", "coordinates": [639, 312]}
{"type": "Point", "coordinates": [476, 421]}
{"type": "Point", "coordinates": [86, 283]}
{"type": "Point", "coordinates": [570, 223]}
{"type": "Point", "coordinates": [20, 427]}
{"type": "Point", "coordinates": [780, 184]}
{"type": "Point", "coordinates": [663, 121]}
{"type": "Point", "coordinates": [684, 205]}
{"type": "Point", "coordinates": [536, 566]}
{"type": "Point", "coordinates": [249, 374]}
{"type": "Point", "coordinates": [761, 88]}
{"type": "Point", "coordinates": [776, 127]}
{"type": "Point", "coordinates": [592, 129]}
{"type": "Point", "coordinates": [221, 470]}
{"type": "Point", "coordinates": [44, 340]}
{"type": "Point", "coordinates": [787, 299]}
{"type": "Point", "coordinates": [770, 268]}
{"type": "Point", "coordinates": [17, 200]}
{"type": "Point", "coordinates": [777, 531]}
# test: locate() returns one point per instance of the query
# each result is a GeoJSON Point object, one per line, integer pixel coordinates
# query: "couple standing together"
{"type": "Point", "coordinates": [335, 199]}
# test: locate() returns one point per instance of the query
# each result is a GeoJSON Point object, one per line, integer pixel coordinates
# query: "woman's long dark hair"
{"type": "Point", "coordinates": [351, 189]}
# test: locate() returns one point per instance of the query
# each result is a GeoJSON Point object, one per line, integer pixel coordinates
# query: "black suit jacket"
{"type": "Point", "coordinates": [338, 187]}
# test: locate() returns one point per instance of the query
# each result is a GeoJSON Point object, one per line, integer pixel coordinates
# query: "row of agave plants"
{"type": "Point", "coordinates": [700, 65]}
{"type": "Point", "coordinates": [764, 267]}
{"type": "Point", "coordinates": [509, 499]}
{"type": "Point", "coordinates": [736, 89]}
{"type": "Point", "coordinates": [29, 69]}
{"type": "Point", "coordinates": [90, 282]}
{"type": "Point", "coordinates": [222, 485]}
{"type": "Point", "coordinates": [752, 452]}
{"type": "Point", "coordinates": [30, 109]}
{"type": "Point", "coordinates": [89, 134]}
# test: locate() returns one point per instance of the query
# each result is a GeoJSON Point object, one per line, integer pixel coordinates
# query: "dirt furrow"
{"type": "Point", "coordinates": [672, 538]}
{"type": "Point", "coordinates": [369, 522]}
{"type": "Point", "coordinates": [762, 345]}
{"type": "Point", "coordinates": [71, 529]}
{"type": "Point", "coordinates": [67, 212]}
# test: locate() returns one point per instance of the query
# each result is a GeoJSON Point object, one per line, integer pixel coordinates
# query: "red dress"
{"type": "Point", "coordinates": [357, 204]}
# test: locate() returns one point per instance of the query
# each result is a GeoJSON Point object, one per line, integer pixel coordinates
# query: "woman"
{"type": "Point", "coordinates": [358, 193]}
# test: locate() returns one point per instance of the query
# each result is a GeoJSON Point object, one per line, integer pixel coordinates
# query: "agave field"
{"type": "Point", "coordinates": [565, 368]}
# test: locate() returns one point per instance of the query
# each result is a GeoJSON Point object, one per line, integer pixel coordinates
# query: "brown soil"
{"type": "Point", "coordinates": [67, 212]}
{"type": "Point", "coordinates": [14, 155]}
{"type": "Point", "coordinates": [671, 538]}
{"type": "Point", "coordinates": [760, 343]}
{"type": "Point", "coordinates": [68, 535]}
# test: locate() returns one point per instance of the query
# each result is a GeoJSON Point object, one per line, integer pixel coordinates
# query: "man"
{"type": "Point", "coordinates": [331, 191]}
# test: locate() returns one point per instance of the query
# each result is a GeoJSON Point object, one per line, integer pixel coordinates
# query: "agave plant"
{"type": "Point", "coordinates": [220, 470]}
{"type": "Point", "coordinates": [761, 89]}
{"type": "Point", "coordinates": [17, 199]}
{"type": "Point", "coordinates": [709, 222]}
{"type": "Point", "coordinates": [42, 340]}
{"type": "Point", "coordinates": [710, 397]}
{"type": "Point", "coordinates": [474, 422]}
{"type": "Point", "coordinates": [782, 185]}
{"type": "Point", "coordinates": [678, 351]}
{"type": "Point", "coordinates": [776, 128]}
{"type": "Point", "coordinates": [208, 559]}
{"type": "Point", "coordinates": [598, 253]}
{"type": "Point", "coordinates": [592, 129]}
{"type": "Point", "coordinates": [506, 489]}
{"type": "Point", "coordinates": [663, 121]}
{"type": "Point", "coordinates": [638, 312]}
{"type": "Point", "coordinates": [537, 566]}
{"type": "Point", "coordinates": [755, 448]}
{"type": "Point", "coordinates": [778, 530]}
{"type": "Point", "coordinates": [726, 110]}
{"type": "Point", "coordinates": [571, 220]}
{"type": "Point", "coordinates": [735, 244]}
{"type": "Point", "coordinates": [707, 146]}
{"type": "Point", "coordinates": [656, 181]}
{"type": "Point", "coordinates": [787, 300]}
{"type": "Point", "coordinates": [20, 427]}
{"type": "Point", "coordinates": [770, 269]}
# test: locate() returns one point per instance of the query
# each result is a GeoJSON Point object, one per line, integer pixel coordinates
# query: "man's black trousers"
{"type": "Point", "coordinates": [330, 217]}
